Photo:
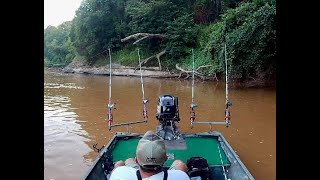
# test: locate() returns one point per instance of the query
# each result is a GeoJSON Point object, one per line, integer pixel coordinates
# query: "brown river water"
{"type": "Point", "coordinates": [75, 113]}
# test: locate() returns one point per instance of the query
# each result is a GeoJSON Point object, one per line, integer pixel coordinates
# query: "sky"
{"type": "Point", "coordinates": [58, 11]}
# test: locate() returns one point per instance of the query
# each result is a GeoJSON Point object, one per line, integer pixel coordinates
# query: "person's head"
{"type": "Point", "coordinates": [151, 152]}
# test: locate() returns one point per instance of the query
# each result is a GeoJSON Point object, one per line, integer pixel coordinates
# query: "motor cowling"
{"type": "Point", "coordinates": [167, 109]}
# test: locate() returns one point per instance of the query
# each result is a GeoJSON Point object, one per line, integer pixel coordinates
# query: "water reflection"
{"type": "Point", "coordinates": [63, 135]}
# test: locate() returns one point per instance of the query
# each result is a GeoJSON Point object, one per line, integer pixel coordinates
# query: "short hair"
{"type": "Point", "coordinates": [151, 168]}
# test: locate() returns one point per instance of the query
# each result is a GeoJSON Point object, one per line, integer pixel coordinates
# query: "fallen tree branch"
{"type": "Point", "coordinates": [203, 67]}
{"type": "Point", "coordinates": [154, 56]}
{"type": "Point", "coordinates": [187, 72]}
{"type": "Point", "coordinates": [140, 40]}
{"type": "Point", "coordinates": [145, 35]}
{"type": "Point", "coordinates": [195, 72]}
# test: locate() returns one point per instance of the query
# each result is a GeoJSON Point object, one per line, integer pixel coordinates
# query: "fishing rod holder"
{"type": "Point", "coordinates": [210, 123]}
{"type": "Point", "coordinates": [193, 105]}
{"type": "Point", "coordinates": [228, 113]}
{"type": "Point", "coordinates": [192, 113]}
{"type": "Point", "coordinates": [110, 115]}
{"type": "Point", "coordinates": [112, 106]}
{"type": "Point", "coordinates": [145, 112]}
{"type": "Point", "coordinates": [128, 124]}
{"type": "Point", "coordinates": [228, 104]}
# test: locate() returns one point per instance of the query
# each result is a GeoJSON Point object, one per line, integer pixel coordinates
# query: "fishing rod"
{"type": "Point", "coordinates": [144, 101]}
{"type": "Point", "coordinates": [110, 105]}
{"type": "Point", "coordinates": [192, 105]}
{"type": "Point", "coordinates": [145, 112]}
{"type": "Point", "coordinates": [228, 103]}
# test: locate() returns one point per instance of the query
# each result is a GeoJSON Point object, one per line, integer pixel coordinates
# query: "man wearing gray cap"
{"type": "Point", "coordinates": [148, 163]}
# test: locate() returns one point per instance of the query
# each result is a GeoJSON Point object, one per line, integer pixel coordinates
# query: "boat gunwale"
{"type": "Point", "coordinates": [104, 150]}
{"type": "Point", "coordinates": [236, 156]}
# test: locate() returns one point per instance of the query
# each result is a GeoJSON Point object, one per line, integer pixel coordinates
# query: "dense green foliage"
{"type": "Point", "coordinates": [98, 25]}
{"type": "Point", "coordinates": [58, 49]}
{"type": "Point", "coordinates": [249, 33]}
{"type": "Point", "coordinates": [247, 28]}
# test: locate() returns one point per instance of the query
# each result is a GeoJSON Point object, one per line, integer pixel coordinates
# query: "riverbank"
{"type": "Point", "coordinates": [118, 70]}
{"type": "Point", "coordinates": [79, 67]}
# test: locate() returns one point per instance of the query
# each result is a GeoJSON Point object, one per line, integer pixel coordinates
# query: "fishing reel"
{"type": "Point", "coordinates": [228, 114]}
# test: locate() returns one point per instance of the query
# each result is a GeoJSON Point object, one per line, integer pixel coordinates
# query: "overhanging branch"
{"type": "Point", "coordinates": [144, 36]}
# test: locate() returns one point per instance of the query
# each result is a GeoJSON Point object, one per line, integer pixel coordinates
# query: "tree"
{"type": "Point", "coordinates": [98, 25]}
{"type": "Point", "coordinates": [57, 47]}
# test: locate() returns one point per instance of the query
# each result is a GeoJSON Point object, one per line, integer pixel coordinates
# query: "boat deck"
{"type": "Point", "coordinates": [206, 147]}
{"type": "Point", "coordinates": [223, 161]}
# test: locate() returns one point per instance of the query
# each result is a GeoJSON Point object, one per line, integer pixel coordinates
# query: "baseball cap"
{"type": "Point", "coordinates": [151, 150]}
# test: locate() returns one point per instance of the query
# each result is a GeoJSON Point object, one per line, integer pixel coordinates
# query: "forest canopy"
{"type": "Point", "coordinates": [246, 28]}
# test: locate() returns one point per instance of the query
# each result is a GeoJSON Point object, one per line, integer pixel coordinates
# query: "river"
{"type": "Point", "coordinates": [75, 109]}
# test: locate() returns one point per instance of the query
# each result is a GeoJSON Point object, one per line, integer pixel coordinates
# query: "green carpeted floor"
{"type": "Point", "coordinates": [206, 147]}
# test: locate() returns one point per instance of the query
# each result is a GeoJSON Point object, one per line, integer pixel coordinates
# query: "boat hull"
{"type": "Point", "coordinates": [209, 145]}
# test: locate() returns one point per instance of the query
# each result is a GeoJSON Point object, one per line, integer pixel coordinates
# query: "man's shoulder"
{"type": "Point", "coordinates": [123, 168]}
{"type": "Point", "coordinates": [177, 174]}
{"type": "Point", "coordinates": [123, 172]}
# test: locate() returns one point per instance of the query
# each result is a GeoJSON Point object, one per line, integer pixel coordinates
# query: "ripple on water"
{"type": "Point", "coordinates": [61, 85]}
{"type": "Point", "coordinates": [64, 138]}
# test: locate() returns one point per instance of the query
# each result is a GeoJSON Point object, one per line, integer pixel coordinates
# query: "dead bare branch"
{"type": "Point", "coordinates": [145, 35]}
{"type": "Point", "coordinates": [188, 72]}
{"type": "Point", "coordinates": [140, 40]}
{"type": "Point", "coordinates": [203, 67]}
{"type": "Point", "coordinates": [151, 57]}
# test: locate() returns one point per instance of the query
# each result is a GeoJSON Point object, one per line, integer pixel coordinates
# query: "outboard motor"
{"type": "Point", "coordinates": [167, 109]}
{"type": "Point", "coordinates": [168, 115]}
